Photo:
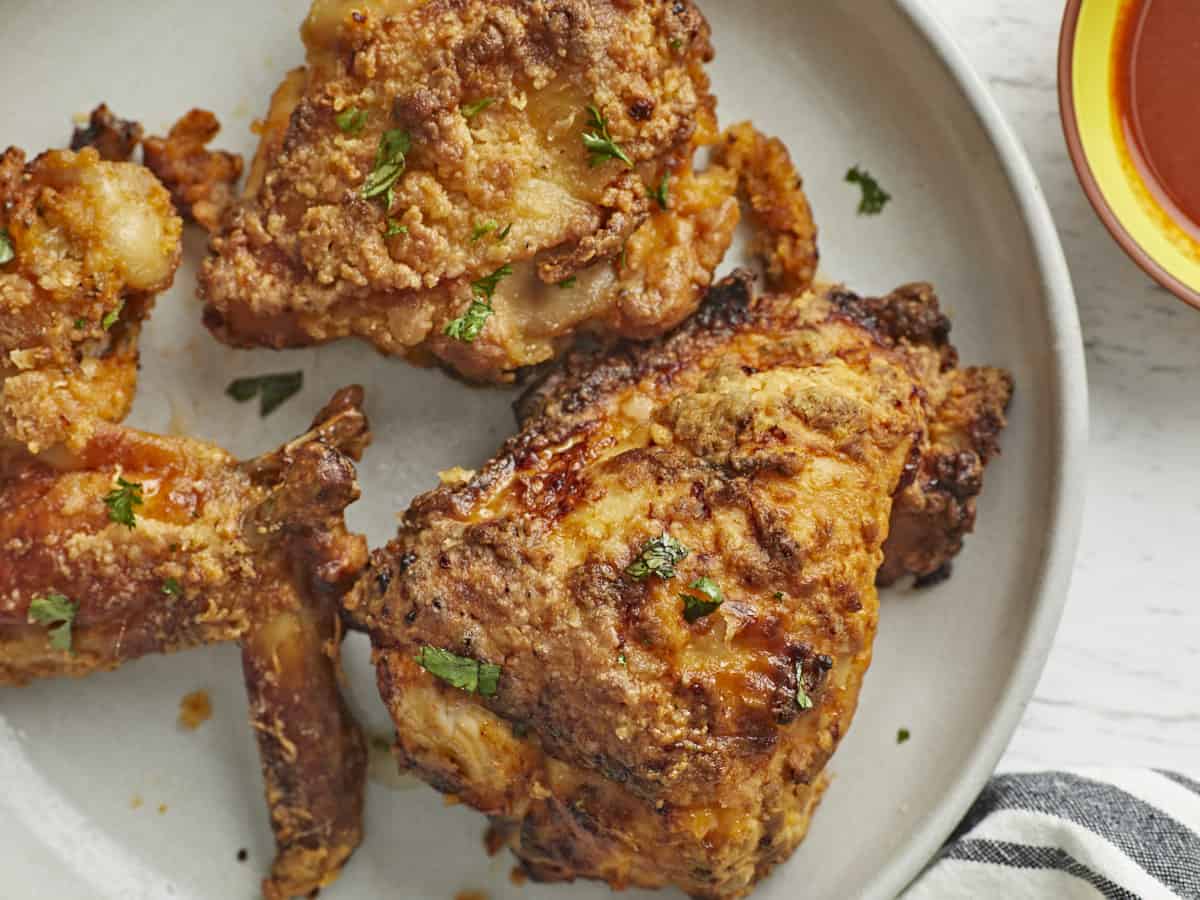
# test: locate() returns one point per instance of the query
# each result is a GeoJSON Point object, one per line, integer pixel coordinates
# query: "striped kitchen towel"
{"type": "Point", "coordinates": [1083, 834]}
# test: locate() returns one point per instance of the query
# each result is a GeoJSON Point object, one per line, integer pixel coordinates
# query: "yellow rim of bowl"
{"type": "Point", "coordinates": [1101, 135]}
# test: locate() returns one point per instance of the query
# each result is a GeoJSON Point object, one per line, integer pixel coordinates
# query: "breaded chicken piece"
{"type": "Point", "coordinates": [636, 636]}
{"type": "Point", "coordinates": [474, 182]}
{"type": "Point", "coordinates": [134, 543]}
{"type": "Point", "coordinates": [203, 182]}
{"type": "Point", "coordinates": [85, 245]}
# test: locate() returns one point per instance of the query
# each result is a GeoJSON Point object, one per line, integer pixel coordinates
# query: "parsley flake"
{"type": "Point", "coordinates": [7, 253]}
{"type": "Point", "coordinates": [272, 390]}
{"type": "Point", "coordinates": [58, 612]}
{"type": "Point", "coordinates": [471, 110]}
{"type": "Point", "coordinates": [394, 228]}
{"type": "Point", "coordinates": [390, 162]}
{"type": "Point", "coordinates": [599, 143]}
{"type": "Point", "coordinates": [121, 500]}
{"type": "Point", "coordinates": [461, 672]}
{"type": "Point", "coordinates": [111, 317]}
{"type": "Point", "coordinates": [698, 607]}
{"type": "Point", "coordinates": [504, 232]}
{"type": "Point", "coordinates": [482, 229]}
{"type": "Point", "coordinates": [81, 324]}
{"type": "Point", "coordinates": [874, 198]}
{"type": "Point", "coordinates": [802, 699]}
{"type": "Point", "coordinates": [469, 326]}
{"type": "Point", "coordinates": [568, 283]}
{"type": "Point", "coordinates": [903, 735]}
{"type": "Point", "coordinates": [172, 588]}
{"type": "Point", "coordinates": [658, 557]}
{"type": "Point", "coordinates": [663, 192]}
{"type": "Point", "coordinates": [780, 595]}
{"type": "Point", "coordinates": [676, 43]}
{"type": "Point", "coordinates": [351, 120]}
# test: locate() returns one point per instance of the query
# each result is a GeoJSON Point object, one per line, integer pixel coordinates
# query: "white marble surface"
{"type": "Point", "coordinates": [1122, 686]}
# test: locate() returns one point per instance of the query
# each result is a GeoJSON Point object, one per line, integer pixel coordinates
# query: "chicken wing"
{"type": "Point", "coordinates": [133, 543]}
{"type": "Point", "coordinates": [474, 182]}
{"type": "Point", "coordinates": [85, 245]}
{"type": "Point", "coordinates": [636, 636]}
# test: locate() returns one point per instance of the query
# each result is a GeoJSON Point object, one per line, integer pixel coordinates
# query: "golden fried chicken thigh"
{"type": "Point", "coordinates": [473, 182]}
{"type": "Point", "coordinates": [203, 549]}
{"type": "Point", "coordinates": [637, 635]}
{"type": "Point", "coordinates": [85, 245]}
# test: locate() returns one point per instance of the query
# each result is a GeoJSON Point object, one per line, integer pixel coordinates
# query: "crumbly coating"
{"type": "Point", "coordinates": [93, 243]}
{"type": "Point", "coordinates": [768, 436]}
{"type": "Point", "coordinates": [305, 258]}
{"type": "Point", "coordinates": [202, 182]}
{"type": "Point", "coordinates": [255, 552]}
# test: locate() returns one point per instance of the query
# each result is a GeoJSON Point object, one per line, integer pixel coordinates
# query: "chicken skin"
{"type": "Point", "coordinates": [473, 182]}
{"type": "Point", "coordinates": [135, 543]}
{"type": "Point", "coordinates": [635, 637]}
{"type": "Point", "coordinates": [85, 246]}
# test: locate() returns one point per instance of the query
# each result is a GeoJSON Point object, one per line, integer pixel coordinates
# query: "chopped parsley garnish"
{"type": "Point", "coordinates": [676, 43]}
{"type": "Point", "coordinates": [874, 198]}
{"type": "Point", "coordinates": [471, 110]}
{"type": "Point", "coordinates": [569, 282]}
{"type": "Point", "coordinates": [111, 317]}
{"type": "Point", "coordinates": [658, 557]}
{"type": "Point", "coordinates": [394, 228]}
{"type": "Point", "coordinates": [172, 587]}
{"type": "Point", "coordinates": [469, 326]}
{"type": "Point", "coordinates": [903, 735]}
{"type": "Point", "coordinates": [802, 699]}
{"type": "Point", "coordinates": [351, 120]}
{"type": "Point", "coordinates": [482, 229]}
{"type": "Point", "coordinates": [461, 672]}
{"type": "Point", "coordinates": [599, 143]}
{"type": "Point", "coordinates": [272, 390]}
{"type": "Point", "coordinates": [780, 595]}
{"type": "Point", "coordinates": [504, 232]}
{"type": "Point", "coordinates": [663, 192]}
{"type": "Point", "coordinates": [621, 661]}
{"type": "Point", "coordinates": [121, 500]}
{"type": "Point", "coordinates": [7, 254]}
{"type": "Point", "coordinates": [698, 607]}
{"type": "Point", "coordinates": [390, 162]}
{"type": "Point", "coordinates": [58, 612]}
{"type": "Point", "coordinates": [81, 324]}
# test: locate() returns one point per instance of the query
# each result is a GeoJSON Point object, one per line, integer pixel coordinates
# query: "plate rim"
{"type": "Point", "coordinates": [1069, 440]}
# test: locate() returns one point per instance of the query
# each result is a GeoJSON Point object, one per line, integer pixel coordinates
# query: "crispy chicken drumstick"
{"type": "Point", "coordinates": [115, 543]}
{"type": "Point", "coordinates": [636, 636]}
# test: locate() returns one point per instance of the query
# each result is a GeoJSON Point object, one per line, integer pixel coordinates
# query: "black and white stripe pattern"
{"type": "Point", "coordinates": [1121, 834]}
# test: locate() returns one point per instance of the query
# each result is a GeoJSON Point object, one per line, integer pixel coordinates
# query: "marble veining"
{"type": "Point", "coordinates": [1122, 686]}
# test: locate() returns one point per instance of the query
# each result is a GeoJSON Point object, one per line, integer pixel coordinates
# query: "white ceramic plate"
{"type": "Point", "coordinates": [843, 82]}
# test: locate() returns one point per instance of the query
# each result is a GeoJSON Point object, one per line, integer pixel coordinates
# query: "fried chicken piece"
{"type": "Point", "coordinates": [114, 139]}
{"type": "Point", "coordinates": [786, 236]}
{"type": "Point", "coordinates": [203, 182]}
{"type": "Point", "coordinates": [428, 146]}
{"type": "Point", "coordinates": [89, 245]}
{"type": "Point", "coordinates": [254, 552]}
{"type": "Point", "coordinates": [547, 633]}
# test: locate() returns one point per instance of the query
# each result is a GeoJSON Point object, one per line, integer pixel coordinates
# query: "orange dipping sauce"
{"type": "Point", "coordinates": [1157, 93]}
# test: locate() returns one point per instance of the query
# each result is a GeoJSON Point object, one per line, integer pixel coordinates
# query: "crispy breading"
{"type": "Point", "coordinates": [786, 236]}
{"type": "Point", "coordinates": [113, 138]}
{"type": "Point", "coordinates": [307, 258]}
{"type": "Point", "coordinates": [626, 741]}
{"type": "Point", "coordinates": [93, 242]}
{"type": "Point", "coordinates": [256, 552]}
{"type": "Point", "coordinates": [202, 182]}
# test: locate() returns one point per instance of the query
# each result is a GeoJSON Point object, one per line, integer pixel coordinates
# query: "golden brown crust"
{"type": "Point", "coordinates": [625, 743]}
{"type": "Point", "coordinates": [114, 139]}
{"type": "Point", "coordinates": [255, 552]}
{"type": "Point", "coordinates": [306, 259]}
{"type": "Point", "coordinates": [93, 243]}
{"type": "Point", "coordinates": [786, 238]}
{"type": "Point", "coordinates": [202, 182]}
